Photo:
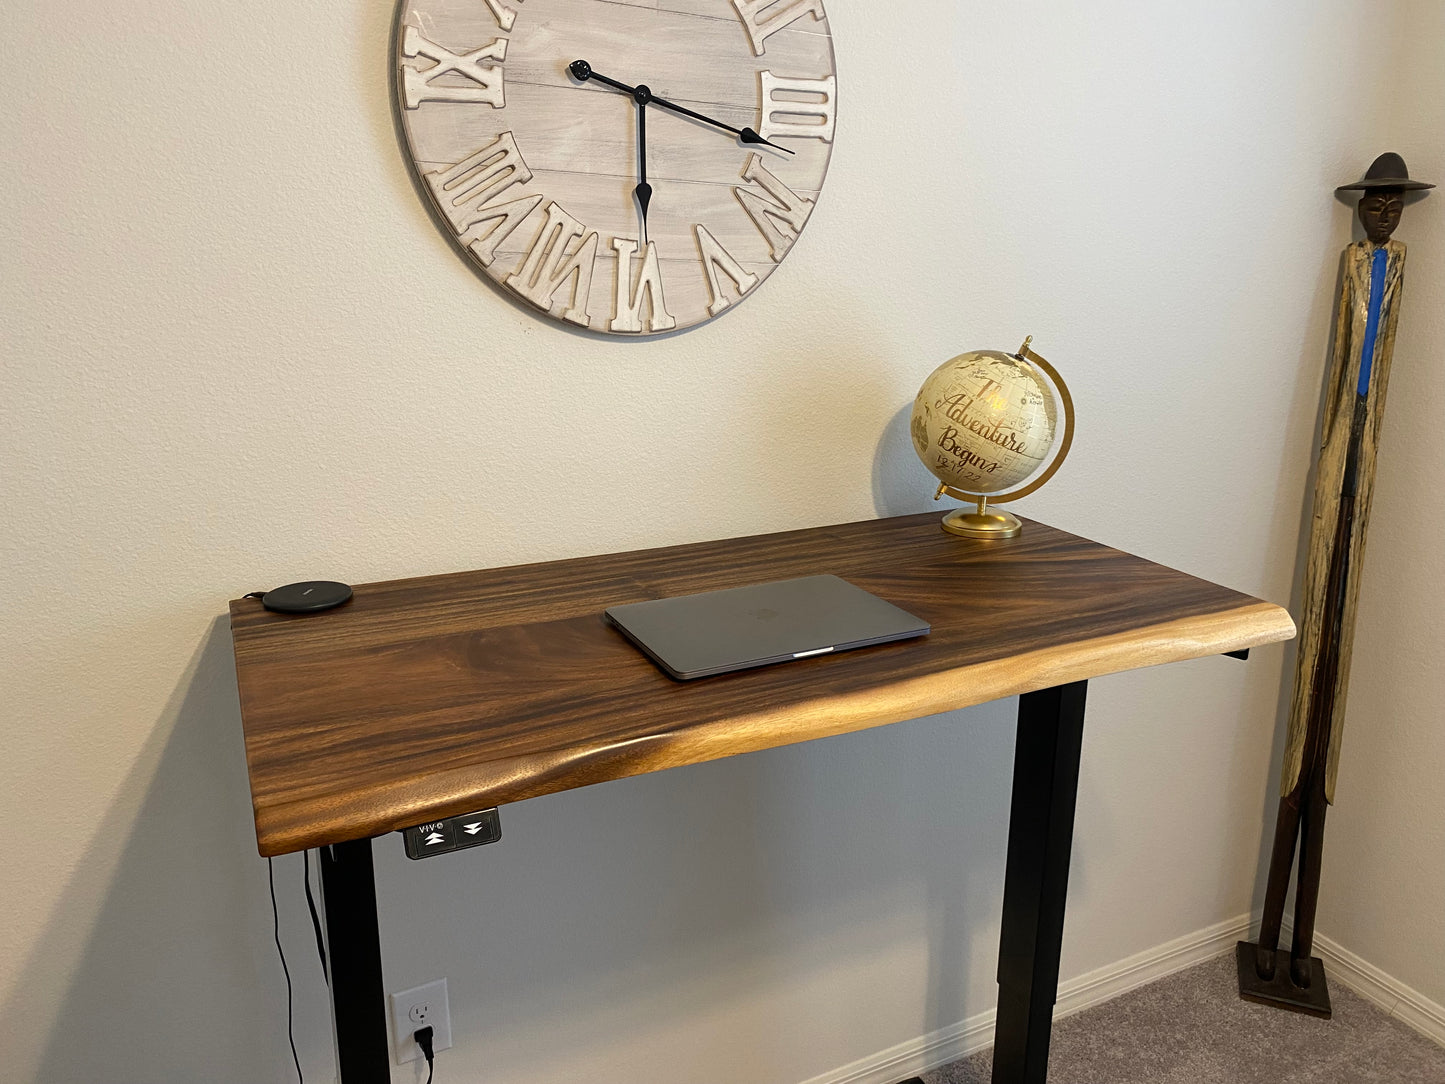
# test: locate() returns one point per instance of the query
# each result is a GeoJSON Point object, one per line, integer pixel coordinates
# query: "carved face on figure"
{"type": "Point", "coordinates": [1380, 212]}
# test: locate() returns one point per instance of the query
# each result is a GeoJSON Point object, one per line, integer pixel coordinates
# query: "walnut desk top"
{"type": "Point", "coordinates": [432, 697]}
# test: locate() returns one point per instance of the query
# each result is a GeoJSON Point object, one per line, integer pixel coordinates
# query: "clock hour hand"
{"type": "Point", "coordinates": [746, 135]}
{"type": "Point", "coordinates": [581, 70]}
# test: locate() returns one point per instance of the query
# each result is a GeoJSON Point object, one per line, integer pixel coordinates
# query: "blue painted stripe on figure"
{"type": "Point", "coordinates": [1372, 319]}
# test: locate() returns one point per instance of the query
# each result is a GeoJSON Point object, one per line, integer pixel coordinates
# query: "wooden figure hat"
{"type": "Point", "coordinates": [1386, 171]}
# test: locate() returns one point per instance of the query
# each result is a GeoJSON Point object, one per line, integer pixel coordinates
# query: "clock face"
{"type": "Point", "coordinates": [554, 138]}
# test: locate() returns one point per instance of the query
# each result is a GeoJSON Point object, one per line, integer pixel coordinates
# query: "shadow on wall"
{"type": "Point", "coordinates": [178, 978]}
{"type": "Point", "coordinates": [822, 876]}
{"type": "Point", "coordinates": [830, 895]}
{"type": "Point", "coordinates": [901, 483]}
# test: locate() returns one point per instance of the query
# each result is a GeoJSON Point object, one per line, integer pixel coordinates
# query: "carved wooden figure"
{"type": "Point", "coordinates": [1364, 339]}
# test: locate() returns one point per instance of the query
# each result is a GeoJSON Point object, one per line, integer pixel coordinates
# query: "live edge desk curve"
{"type": "Point", "coordinates": [427, 698]}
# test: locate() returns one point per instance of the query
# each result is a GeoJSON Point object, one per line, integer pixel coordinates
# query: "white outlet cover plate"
{"type": "Point", "coordinates": [433, 995]}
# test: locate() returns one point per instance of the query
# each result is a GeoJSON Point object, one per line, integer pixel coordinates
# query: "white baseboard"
{"type": "Point", "coordinates": [1404, 1003]}
{"type": "Point", "coordinates": [963, 1038]}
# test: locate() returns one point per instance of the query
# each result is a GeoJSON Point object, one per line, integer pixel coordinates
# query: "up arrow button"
{"type": "Point", "coordinates": [434, 837]}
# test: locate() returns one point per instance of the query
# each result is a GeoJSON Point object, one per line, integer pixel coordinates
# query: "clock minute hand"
{"type": "Point", "coordinates": [643, 190]}
{"type": "Point", "coordinates": [582, 71]}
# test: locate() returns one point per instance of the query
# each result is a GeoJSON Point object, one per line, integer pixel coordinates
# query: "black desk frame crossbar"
{"type": "Point", "coordinates": [1041, 830]}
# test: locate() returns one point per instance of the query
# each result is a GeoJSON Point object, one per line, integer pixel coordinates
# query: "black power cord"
{"type": "Point", "coordinates": [423, 1035]}
{"type": "Point", "coordinates": [276, 932]}
{"type": "Point", "coordinates": [423, 1040]}
{"type": "Point", "coordinates": [315, 920]}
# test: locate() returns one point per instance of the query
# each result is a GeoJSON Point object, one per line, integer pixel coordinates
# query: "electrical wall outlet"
{"type": "Point", "coordinates": [416, 1008]}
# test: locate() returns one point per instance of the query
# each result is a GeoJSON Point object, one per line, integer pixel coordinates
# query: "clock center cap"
{"type": "Point", "coordinates": [642, 94]}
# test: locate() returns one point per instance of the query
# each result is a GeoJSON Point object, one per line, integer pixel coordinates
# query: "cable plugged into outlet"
{"type": "Point", "coordinates": [420, 1007]}
{"type": "Point", "coordinates": [423, 1040]}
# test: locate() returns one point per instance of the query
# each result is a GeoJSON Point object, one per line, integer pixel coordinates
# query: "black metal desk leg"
{"type": "Point", "coordinates": [353, 949]}
{"type": "Point", "coordinates": [1040, 835]}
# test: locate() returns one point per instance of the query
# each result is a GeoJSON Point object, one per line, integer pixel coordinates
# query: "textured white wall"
{"type": "Point", "coordinates": [238, 353]}
{"type": "Point", "coordinates": [1384, 872]}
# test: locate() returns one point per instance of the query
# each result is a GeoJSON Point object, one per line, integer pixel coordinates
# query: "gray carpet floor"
{"type": "Point", "coordinates": [1193, 1028]}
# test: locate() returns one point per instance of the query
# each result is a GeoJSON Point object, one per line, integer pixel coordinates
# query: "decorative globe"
{"type": "Point", "coordinates": [984, 421]}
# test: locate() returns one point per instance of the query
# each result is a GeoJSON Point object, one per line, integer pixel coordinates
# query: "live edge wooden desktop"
{"type": "Point", "coordinates": [427, 698]}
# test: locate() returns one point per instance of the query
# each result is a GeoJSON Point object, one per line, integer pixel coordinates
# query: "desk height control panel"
{"type": "Point", "coordinates": [453, 834]}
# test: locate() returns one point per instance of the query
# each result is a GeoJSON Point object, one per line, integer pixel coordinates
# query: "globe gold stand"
{"type": "Point", "coordinates": [980, 524]}
{"type": "Point", "coordinates": [989, 525]}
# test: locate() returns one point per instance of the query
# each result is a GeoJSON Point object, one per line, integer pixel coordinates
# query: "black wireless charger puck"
{"type": "Point", "coordinates": [308, 597]}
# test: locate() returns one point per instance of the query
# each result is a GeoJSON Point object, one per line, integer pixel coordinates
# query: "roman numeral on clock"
{"type": "Point", "coordinates": [784, 13]}
{"type": "Point", "coordinates": [468, 192]}
{"type": "Point", "coordinates": [776, 210]}
{"type": "Point", "coordinates": [632, 293]}
{"type": "Point", "coordinates": [548, 266]}
{"type": "Point", "coordinates": [787, 116]}
{"type": "Point", "coordinates": [716, 258]}
{"type": "Point", "coordinates": [504, 15]}
{"type": "Point", "coordinates": [419, 86]}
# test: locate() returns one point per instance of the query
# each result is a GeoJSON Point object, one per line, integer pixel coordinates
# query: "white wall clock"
{"type": "Point", "coordinates": [629, 166]}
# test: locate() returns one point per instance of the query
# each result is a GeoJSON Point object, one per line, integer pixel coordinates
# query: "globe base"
{"type": "Point", "coordinates": [982, 524]}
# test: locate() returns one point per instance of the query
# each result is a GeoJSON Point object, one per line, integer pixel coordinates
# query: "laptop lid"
{"type": "Point", "coordinates": [693, 636]}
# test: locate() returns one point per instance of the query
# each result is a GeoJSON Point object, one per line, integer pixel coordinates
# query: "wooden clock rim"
{"type": "Point", "coordinates": [417, 177]}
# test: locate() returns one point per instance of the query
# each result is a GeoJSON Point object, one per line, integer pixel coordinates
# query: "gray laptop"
{"type": "Point", "coordinates": [695, 636]}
